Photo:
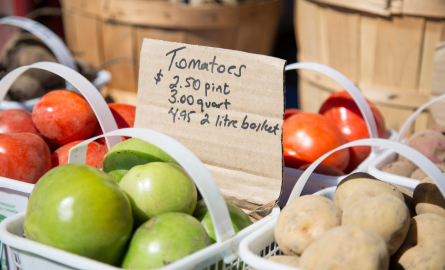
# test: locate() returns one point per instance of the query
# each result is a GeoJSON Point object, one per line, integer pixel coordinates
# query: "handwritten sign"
{"type": "Point", "coordinates": [226, 106]}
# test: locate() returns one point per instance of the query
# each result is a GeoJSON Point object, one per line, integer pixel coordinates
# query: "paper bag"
{"type": "Point", "coordinates": [227, 107]}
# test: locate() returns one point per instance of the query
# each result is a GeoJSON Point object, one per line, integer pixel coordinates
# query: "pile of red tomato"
{"type": "Point", "coordinates": [307, 136]}
{"type": "Point", "coordinates": [32, 144]}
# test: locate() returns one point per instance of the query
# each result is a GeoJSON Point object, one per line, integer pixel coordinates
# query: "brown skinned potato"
{"type": "Point", "coordinates": [378, 211]}
{"type": "Point", "coordinates": [408, 196]}
{"type": "Point", "coordinates": [401, 168]}
{"type": "Point", "coordinates": [428, 198]}
{"type": "Point", "coordinates": [304, 220]}
{"type": "Point", "coordinates": [424, 245]}
{"type": "Point", "coordinates": [349, 247]}
{"type": "Point", "coordinates": [346, 188]}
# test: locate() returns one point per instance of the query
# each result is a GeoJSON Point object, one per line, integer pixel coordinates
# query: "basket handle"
{"type": "Point", "coordinates": [54, 43]}
{"type": "Point", "coordinates": [415, 156]}
{"type": "Point", "coordinates": [94, 98]}
{"type": "Point", "coordinates": [348, 86]}
{"type": "Point", "coordinates": [188, 161]}
{"type": "Point", "coordinates": [414, 115]}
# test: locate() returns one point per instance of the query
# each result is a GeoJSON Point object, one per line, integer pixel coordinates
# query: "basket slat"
{"type": "Point", "coordinates": [390, 58]}
{"type": "Point", "coordinates": [120, 39]}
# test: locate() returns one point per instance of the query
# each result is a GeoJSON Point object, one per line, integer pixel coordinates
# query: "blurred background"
{"type": "Point", "coordinates": [389, 49]}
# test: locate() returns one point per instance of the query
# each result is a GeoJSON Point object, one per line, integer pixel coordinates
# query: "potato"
{"type": "Point", "coordinates": [419, 174]}
{"type": "Point", "coordinates": [346, 188]}
{"type": "Point", "coordinates": [285, 259]}
{"type": "Point", "coordinates": [424, 245]}
{"type": "Point", "coordinates": [428, 199]}
{"type": "Point", "coordinates": [429, 142]}
{"type": "Point", "coordinates": [408, 196]}
{"type": "Point", "coordinates": [401, 168]}
{"type": "Point", "coordinates": [347, 247]}
{"type": "Point", "coordinates": [378, 211]}
{"type": "Point", "coordinates": [304, 220]}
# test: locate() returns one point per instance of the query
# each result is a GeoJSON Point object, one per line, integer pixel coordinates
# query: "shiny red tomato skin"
{"type": "Point", "coordinates": [124, 115]}
{"type": "Point", "coordinates": [17, 121]}
{"type": "Point", "coordinates": [290, 112]}
{"type": "Point", "coordinates": [64, 116]}
{"type": "Point", "coordinates": [95, 154]}
{"type": "Point", "coordinates": [24, 157]}
{"type": "Point", "coordinates": [341, 109]}
{"type": "Point", "coordinates": [307, 136]}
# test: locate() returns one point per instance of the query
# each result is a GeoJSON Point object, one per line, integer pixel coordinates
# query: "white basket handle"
{"type": "Point", "coordinates": [189, 162]}
{"type": "Point", "coordinates": [348, 86]}
{"type": "Point", "coordinates": [415, 156]}
{"type": "Point", "coordinates": [413, 116]}
{"type": "Point", "coordinates": [94, 98]}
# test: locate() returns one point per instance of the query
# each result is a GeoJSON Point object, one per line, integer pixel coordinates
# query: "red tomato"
{"type": "Point", "coordinates": [64, 116]}
{"type": "Point", "coordinates": [307, 136]}
{"type": "Point", "coordinates": [289, 112]}
{"type": "Point", "coordinates": [341, 109]}
{"type": "Point", "coordinates": [17, 121]}
{"type": "Point", "coordinates": [24, 157]}
{"type": "Point", "coordinates": [123, 114]}
{"type": "Point", "coordinates": [95, 154]}
{"type": "Point", "coordinates": [324, 169]}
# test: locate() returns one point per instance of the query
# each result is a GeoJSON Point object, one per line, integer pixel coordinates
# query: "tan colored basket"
{"type": "Point", "coordinates": [385, 47]}
{"type": "Point", "coordinates": [102, 30]}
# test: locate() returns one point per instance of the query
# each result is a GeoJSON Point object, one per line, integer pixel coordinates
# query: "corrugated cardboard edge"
{"type": "Point", "coordinates": [263, 211]}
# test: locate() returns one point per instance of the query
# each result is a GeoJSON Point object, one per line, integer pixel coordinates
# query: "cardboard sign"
{"type": "Point", "coordinates": [226, 106]}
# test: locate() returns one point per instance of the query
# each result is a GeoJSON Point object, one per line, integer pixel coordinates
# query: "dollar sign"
{"type": "Point", "coordinates": [158, 79]}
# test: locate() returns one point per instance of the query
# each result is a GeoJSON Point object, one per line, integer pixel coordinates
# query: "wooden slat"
{"type": "Point", "coordinates": [222, 38]}
{"type": "Point", "coordinates": [120, 96]}
{"type": "Point", "coordinates": [87, 39]}
{"type": "Point", "coordinates": [368, 43]}
{"type": "Point", "coordinates": [398, 52]}
{"type": "Point", "coordinates": [121, 38]}
{"type": "Point", "coordinates": [421, 122]}
{"type": "Point", "coordinates": [163, 14]}
{"type": "Point", "coordinates": [433, 32]}
{"type": "Point", "coordinates": [323, 33]}
{"type": "Point", "coordinates": [70, 30]}
{"type": "Point", "coordinates": [162, 34]}
{"type": "Point", "coordinates": [245, 39]}
{"type": "Point", "coordinates": [394, 117]}
{"type": "Point", "coordinates": [426, 8]}
{"type": "Point", "coordinates": [393, 96]}
{"type": "Point", "coordinates": [311, 96]}
{"type": "Point", "coordinates": [307, 30]}
{"type": "Point", "coordinates": [379, 7]}
{"type": "Point", "coordinates": [342, 29]}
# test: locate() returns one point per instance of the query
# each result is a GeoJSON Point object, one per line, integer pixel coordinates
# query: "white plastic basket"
{"type": "Point", "coordinates": [57, 47]}
{"type": "Point", "coordinates": [14, 194]}
{"type": "Point", "coordinates": [319, 181]}
{"type": "Point", "coordinates": [258, 246]}
{"type": "Point", "coordinates": [376, 166]}
{"type": "Point", "coordinates": [28, 255]}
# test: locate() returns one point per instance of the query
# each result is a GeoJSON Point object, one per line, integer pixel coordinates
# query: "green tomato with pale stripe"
{"type": "Point", "coordinates": [80, 209]}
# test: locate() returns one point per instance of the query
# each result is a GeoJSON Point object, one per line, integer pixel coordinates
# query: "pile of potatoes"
{"type": "Point", "coordinates": [430, 143]}
{"type": "Point", "coordinates": [370, 224]}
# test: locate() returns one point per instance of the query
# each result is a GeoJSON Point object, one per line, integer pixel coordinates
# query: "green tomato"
{"type": "Point", "coordinates": [164, 239]}
{"type": "Point", "coordinates": [158, 187]}
{"type": "Point", "coordinates": [240, 220]}
{"type": "Point", "coordinates": [80, 209]}
{"type": "Point", "coordinates": [127, 154]}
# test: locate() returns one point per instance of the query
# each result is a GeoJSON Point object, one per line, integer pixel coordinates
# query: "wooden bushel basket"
{"type": "Point", "coordinates": [102, 30]}
{"type": "Point", "coordinates": [386, 47]}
